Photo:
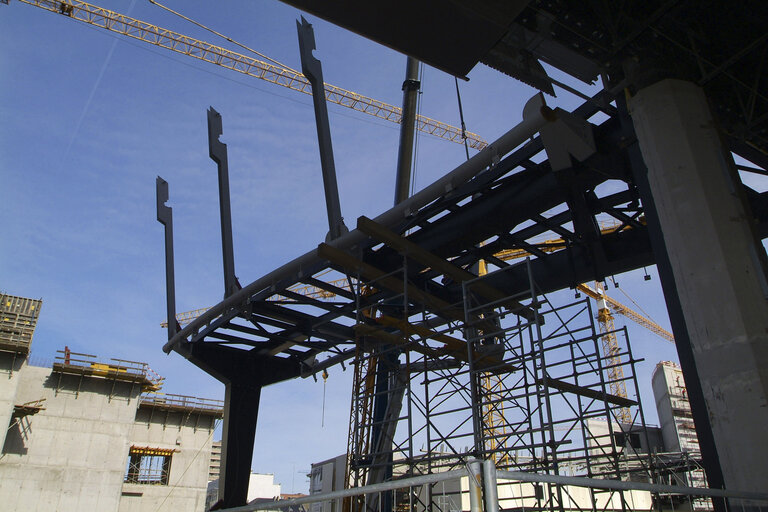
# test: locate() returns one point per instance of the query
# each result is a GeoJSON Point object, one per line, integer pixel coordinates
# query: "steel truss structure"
{"type": "Point", "coordinates": [527, 386]}
{"type": "Point", "coordinates": [417, 259]}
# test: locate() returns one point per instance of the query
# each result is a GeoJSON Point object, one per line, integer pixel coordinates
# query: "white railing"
{"type": "Point", "coordinates": [483, 484]}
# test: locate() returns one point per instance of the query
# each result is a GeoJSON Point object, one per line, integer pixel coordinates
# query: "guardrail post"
{"type": "Point", "coordinates": [490, 487]}
{"type": "Point", "coordinates": [475, 473]}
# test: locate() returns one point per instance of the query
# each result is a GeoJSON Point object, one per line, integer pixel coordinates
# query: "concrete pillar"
{"type": "Point", "coordinates": [719, 269]}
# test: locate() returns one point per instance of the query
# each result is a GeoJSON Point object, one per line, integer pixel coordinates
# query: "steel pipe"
{"type": "Point", "coordinates": [475, 484]}
{"type": "Point", "coordinates": [490, 486]}
{"type": "Point", "coordinates": [346, 493]}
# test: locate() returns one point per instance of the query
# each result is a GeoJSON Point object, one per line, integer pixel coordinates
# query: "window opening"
{"type": "Point", "coordinates": [148, 466]}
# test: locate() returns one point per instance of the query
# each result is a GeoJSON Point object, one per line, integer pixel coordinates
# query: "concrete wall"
{"type": "Point", "coordinates": [9, 382]}
{"type": "Point", "coordinates": [72, 455]}
{"type": "Point", "coordinates": [521, 495]}
{"type": "Point", "coordinates": [191, 435]}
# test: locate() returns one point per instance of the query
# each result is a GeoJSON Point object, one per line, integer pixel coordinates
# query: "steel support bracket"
{"type": "Point", "coordinates": [569, 136]}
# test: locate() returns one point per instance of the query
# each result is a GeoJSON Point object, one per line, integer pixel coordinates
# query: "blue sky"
{"type": "Point", "coordinates": [90, 119]}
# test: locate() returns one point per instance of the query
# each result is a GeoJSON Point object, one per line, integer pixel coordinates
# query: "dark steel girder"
{"type": "Point", "coordinates": [499, 205]}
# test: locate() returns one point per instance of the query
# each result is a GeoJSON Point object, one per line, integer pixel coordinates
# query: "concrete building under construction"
{"type": "Point", "coordinates": [442, 303]}
{"type": "Point", "coordinates": [94, 434]}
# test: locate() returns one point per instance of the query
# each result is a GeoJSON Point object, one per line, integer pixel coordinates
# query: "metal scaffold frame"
{"type": "Point", "coordinates": [421, 253]}
{"type": "Point", "coordinates": [530, 392]}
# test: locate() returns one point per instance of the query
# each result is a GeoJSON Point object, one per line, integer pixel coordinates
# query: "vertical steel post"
{"type": "Point", "coordinates": [241, 411]}
{"type": "Point", "coordinates": [217, 150]}
{"type": "Point", "coordinates": [475, 479]}
{"type": "Point", "coordinates": [165, 217]}
{"type": "Point", "coordinates": [550, 428]}
{"type": "Point", "coordinates": [313, 71]}
{"type": "Point", "coordinates": [490, 486]}
{"type": "Point", "coordinates": [411, 87]}
{"type": "Point", "coordinates": [471, 336]}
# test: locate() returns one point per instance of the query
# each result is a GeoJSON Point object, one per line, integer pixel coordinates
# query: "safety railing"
{"type": "Point", "coordinates": [123, 369]}
{"type": "Point", "coordinates": [482, 488]}
{"type": "Point", "coordinates": [192, 403]}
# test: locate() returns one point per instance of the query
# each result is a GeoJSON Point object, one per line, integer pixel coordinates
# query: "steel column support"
{"type": "Point", "coordinates": [241, 411]}
{"type": "Point", "coordinates": [165, 217]}
{"type": "Point", "coordinates": [490, 486]}
{"type": "Point", "coordinates": [313, 71]}
{"type": "Point", "coordinates": [217, 150]}
{"type": "Point", "coordinates": [243, 375]}
{"type": "Point", "coordinates": [475, 481]}
{"type": "Point", "coordinates": [411, 87]}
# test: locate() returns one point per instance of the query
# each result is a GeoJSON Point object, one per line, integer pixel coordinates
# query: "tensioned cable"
{"type": "Point", "coordinates": [632, 300]}
{"type": "Point", "coordinates": [174, 486]}
{"type": "Point", "coordinates": [461, 116]}
{"type": "Point", "coordinates": [222, 36]}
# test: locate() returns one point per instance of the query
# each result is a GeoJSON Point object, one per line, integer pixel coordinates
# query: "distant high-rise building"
{"type": "Point", "coordinates": [674, 409]}
{"type": "Point", "coordinates": [681, 442]}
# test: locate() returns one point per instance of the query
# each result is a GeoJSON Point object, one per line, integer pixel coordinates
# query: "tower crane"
{"type": "Point", "coordinates": [274, 73]}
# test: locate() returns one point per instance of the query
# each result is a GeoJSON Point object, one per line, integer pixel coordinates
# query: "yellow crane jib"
{"type": "Point", "coordinates": [276, 74]}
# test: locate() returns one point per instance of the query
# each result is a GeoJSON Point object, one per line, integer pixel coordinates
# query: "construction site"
{"type": "Point", "coordinates": [490, 371]}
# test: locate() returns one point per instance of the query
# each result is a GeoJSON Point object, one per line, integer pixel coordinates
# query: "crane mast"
{"type": "Point", "coordinates": [612, 353]}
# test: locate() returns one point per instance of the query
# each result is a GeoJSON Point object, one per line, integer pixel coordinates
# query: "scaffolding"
{"type": "Point", "coordinates": [18, 319]}
{"type": "Point", "coordinates": [114, 370]}
{"type": "Point", "coordinates": [526, 386]}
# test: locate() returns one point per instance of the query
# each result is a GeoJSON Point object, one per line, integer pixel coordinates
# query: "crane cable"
{"type": "Point", "coordinates": [154, 2]}
{"type": "Point", "coordinates": [325, 381]}
{"type": "Point", "coordinates": [632, 300]}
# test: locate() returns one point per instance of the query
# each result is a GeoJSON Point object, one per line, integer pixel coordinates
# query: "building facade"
{"type": "Point", "coordinates": [678, 429]}
{"type": "Point", "coordinates": [87, 434]}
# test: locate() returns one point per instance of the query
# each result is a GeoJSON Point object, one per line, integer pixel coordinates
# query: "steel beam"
{"type": "Point", "coordinates": [535, 115]}
{"type": "Point", "coordinates": [217, 150]}
{"type": "Point", "coordinates": [165, 217]}
{"type": "Point", "coordinates": [411, 250]}
{"type": "Point", "coordinates": [411, 87]}
{"type": "Point", "coordinates": [313, 70]}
